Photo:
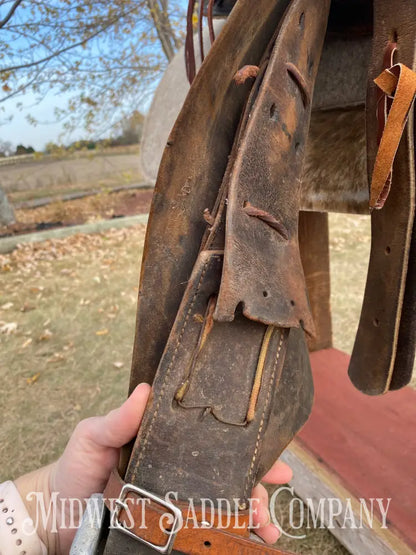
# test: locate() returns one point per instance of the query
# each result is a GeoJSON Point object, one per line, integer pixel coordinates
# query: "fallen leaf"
{"type": "Point", "coordinates": [118, 364]}
{"type": "Point", "coordinates": [8, 327]}
{"type": "Point", "coordinates": [27, 307]}
{"type": "Point", "coordinates": [33, 378]}
{"type": "Point", "coordinates": [37, 289]}
{"type": "Point", "coordinates": [46, 335]}
{"type": "Point", "coordinates": [102, 332]}
{"type": "Point", "coordinates": [6, 306]}
{"type": "Point", "coordinates": [27, 343]}
{"type": "Point", "coordinates": [57, 357]}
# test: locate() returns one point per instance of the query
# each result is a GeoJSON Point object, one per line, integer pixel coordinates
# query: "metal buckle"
{"type": "Point", "coordinates": [175, 511]}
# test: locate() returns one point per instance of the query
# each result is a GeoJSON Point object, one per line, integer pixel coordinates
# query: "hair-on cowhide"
{"type": "Point", "coordinates": [335, 170]}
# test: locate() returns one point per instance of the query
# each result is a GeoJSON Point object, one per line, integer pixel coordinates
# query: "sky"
{"type": "Point", "coordinates": [19, 130]}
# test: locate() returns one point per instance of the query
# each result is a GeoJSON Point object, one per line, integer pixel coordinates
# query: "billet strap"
{"type": "Point", "coordinates": [398, 82]}
{"type": "Point", "coordinates": [382, 357]}
{"type": "Point", "coordinates": [165, 525]}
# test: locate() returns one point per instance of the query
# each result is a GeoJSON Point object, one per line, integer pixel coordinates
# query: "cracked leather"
{"type": "Point", "coordinates": [267, 174]}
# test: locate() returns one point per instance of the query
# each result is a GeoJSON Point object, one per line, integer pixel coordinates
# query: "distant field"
{"type": "Point", "coordinates": [49, 176]}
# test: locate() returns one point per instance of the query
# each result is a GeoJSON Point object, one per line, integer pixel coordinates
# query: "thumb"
{"type": "Point", "coordinates": [120, 425]}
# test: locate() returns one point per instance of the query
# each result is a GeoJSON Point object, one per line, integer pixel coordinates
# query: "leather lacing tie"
{"type": "Point", "coordinates": [399, 84]}
{"type": "Point", "coordinates": [207, 325]}
{"type": "Point", "coordinates": [190, 61]}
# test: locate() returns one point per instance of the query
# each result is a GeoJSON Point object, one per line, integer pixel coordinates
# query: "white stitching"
{"type": "Point", "coordinates": [253, 460]}
{"type": "Point", "coordinates": [146, 441]}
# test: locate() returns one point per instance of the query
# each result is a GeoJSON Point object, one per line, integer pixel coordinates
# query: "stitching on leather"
{"type": "Point", "coordinates": [269, 389]}
{"type": "Point", "coordinates": [146, 441]}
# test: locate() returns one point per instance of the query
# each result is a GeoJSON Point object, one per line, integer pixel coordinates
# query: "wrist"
{"type": "Point", "coordinates": [17, 530]}
{"type": "Point", "coordinates": [35, 491]}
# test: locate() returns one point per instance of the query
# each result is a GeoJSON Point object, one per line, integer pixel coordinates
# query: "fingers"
{"type": "Point", "coordinates": [280, 473]}
{"type": "Point", "coordinates": [269, 533]}
{"type": "Point", "coordinates": [261, 516]}
{"type": "Point", "coordinates": [260, 497]}
{"type": "Point", "coordinates": [119, 426]}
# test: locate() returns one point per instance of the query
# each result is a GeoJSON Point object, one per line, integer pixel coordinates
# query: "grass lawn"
{"type": "Point", "coordinates": [67, 312]}
{"type": "Point", "coordinates": [73, 302]}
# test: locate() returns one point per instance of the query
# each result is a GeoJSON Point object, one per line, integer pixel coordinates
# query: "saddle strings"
{"type": "Point", "coordinates": [190, 61]}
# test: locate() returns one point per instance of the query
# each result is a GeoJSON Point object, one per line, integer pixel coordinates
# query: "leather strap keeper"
{"type": "Point", "coordinates": [194, 536]}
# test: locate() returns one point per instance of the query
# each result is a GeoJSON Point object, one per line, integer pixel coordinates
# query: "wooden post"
{"type": "Point", "coordinates": [314, 251]}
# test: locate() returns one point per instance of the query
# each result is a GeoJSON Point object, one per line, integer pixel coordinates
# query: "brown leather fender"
{"type": "Point", "coordinates": [190, 175]}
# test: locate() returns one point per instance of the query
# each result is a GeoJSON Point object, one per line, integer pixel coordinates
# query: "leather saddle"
{"type": "Point", "coordinates": [227, 298]}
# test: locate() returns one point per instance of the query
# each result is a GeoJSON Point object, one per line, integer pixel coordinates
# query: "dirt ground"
{"type": "Point", "coordinates": [76, 172]}
{"type": "Point", "coordinates": [60, 213]}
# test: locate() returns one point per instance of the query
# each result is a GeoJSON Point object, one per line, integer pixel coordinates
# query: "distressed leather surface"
{"type": "Point", "coordinates": [190, 175]}
{"type": "Point", "coordinates": [199, 440]}
{"type": "Point", "coordinates": [266, 175]}
{"type": "Point", "coordinates": [222, 457]}
{"type": "Point", "coordinates": [196, 437]}
{"type": "Point", "coordinates": [384, 349]}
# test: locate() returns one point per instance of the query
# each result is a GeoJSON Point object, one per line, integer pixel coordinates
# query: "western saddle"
{"type": "Point", "coordinates": [299, 108]}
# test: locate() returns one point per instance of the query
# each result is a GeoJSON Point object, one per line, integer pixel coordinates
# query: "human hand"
{"type": "Point", "coordinates": [93, 451]}
{"type": "Point", "coordinates": [280, 473]}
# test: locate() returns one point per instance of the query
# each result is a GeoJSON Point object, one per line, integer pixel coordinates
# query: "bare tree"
{"type": "Point", "coordinates": [105, 55]}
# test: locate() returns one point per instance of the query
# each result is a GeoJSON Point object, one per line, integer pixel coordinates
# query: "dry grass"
{"type": "Point", "coordinates": [104, 205]}
{"type": "Point", "coordinates": [73, 302]}
{"type": "Point", "coordinates": [349, 251]}
{"type": "Point", "coordinates": [74, 305]}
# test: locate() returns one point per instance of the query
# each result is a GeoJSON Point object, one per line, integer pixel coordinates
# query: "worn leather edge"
{"type": "Point", "coordinates": [262, 268]}
{"type": "Point", "coordinates": [373, 360]}
{"type": "Point", "coordinates": [190, 174]}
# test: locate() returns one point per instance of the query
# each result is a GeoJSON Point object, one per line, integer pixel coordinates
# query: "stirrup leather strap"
{"type": "Point", "coordinates": [164, 526]}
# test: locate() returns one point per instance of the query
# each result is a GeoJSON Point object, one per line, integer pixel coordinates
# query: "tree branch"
{"type": "Point", "coordinates": [10, 14]}
{"type": "Point", "coordinates": [163, 28]}
{"type": "Point", "coordinates": [62, 51]}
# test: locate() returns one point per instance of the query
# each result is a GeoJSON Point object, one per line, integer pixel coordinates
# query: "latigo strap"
{"type": "Point", "coordinates": [384, 349]}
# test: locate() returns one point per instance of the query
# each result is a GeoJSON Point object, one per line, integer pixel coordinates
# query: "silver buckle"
{"type": "Point", "coordinates": [175, 511]}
